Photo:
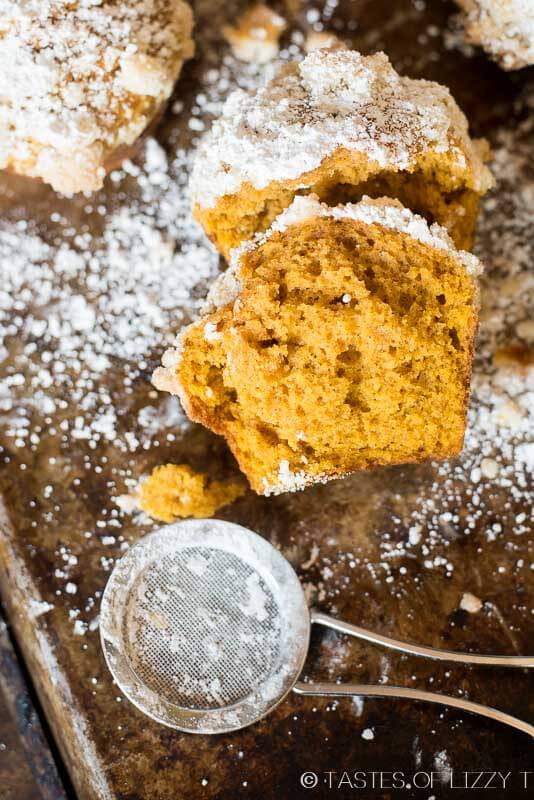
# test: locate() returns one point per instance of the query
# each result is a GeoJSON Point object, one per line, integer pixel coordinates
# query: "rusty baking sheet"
{"type": "Point", "coordinates": [93, 290]}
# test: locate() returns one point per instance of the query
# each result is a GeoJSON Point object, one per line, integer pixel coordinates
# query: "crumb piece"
{"type": "Point", "coordinates": [255, 37]}
{"type": "Point", "coordinates": [318, 40]}
{"type": "Point", "coordinates": [368, 734]}
{"type": "Point", "coordinates": [470, 603]}
{"type": "Point", "coordinates": [175, 490]}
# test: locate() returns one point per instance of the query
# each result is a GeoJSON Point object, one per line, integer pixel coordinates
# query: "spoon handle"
{"type": "Point", "coordinates": [354, 689]}
{"type": "Point", "coordinates": [418, 649]}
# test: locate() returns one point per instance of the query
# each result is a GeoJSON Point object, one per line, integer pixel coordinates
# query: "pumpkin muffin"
{"type": "Point", "coordinates": [504, 28]}
{"type": "Point", "coordinates": [340, 125]}
{"type": "Point", "coordinates": [340, 339]}
{"type": "Point", "coordinates": [82, 80]}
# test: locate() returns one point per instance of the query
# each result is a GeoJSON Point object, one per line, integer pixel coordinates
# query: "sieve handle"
{"type": "Point", "coordinates": [399, 692]}
{"type": "Point", "coordinates": [418, 649]}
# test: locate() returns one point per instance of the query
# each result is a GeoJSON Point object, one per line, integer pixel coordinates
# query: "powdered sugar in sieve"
{"type": "Point", "coordinates": [194, 642]}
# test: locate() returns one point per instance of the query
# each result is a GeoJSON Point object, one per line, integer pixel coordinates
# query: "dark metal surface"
{"type": "Point", "coordinates": [114, 752]}
{"type": "Point", "coordinates": [27, 769]}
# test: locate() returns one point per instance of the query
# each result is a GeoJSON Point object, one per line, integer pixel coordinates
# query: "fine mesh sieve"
{"type": "Point", "coordinates": [205, 628]}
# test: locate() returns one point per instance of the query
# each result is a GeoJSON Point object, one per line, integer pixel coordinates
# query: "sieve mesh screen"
{"type": "Point", "coordinates": [202, 628]}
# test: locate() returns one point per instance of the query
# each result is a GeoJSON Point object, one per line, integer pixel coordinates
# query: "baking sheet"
{"type": "Point", "coordinates": [94, 289]}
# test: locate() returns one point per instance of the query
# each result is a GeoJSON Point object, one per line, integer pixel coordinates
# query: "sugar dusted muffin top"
{"type": "Point", "coordinates": [80, 80]}
{"type": "Point", "coordinates": [340, 125]}
{"type": "Point", "coordinates": [504, 28]}
{"type": "Point", "coordinates": [331, 99]}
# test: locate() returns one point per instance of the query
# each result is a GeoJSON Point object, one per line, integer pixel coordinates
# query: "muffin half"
{"type": "Point", "coordinates": [340, 125]}
{"type": "Point", "coordinates": [339, 340]}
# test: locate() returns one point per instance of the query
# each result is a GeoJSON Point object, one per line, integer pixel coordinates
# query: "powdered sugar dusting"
{"type": "Point", "coordinates": [289, 481]}
{"type": "Point", "coordinates": [330, 99]}
{"type": "Point", "coordinates": [383, 211]}
{"type": "Point", "coordinates": [95, 304]}
{"type": "Point", "coordinates": [73, 75]}
{"type": "Point", "coordinates": [504, 28]}
{"type": "Point", "coordinates": [411, 557]}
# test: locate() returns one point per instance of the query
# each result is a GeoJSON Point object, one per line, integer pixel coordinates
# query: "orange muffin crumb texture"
{"type": "Point", "coordinates": [340, 340]}
{"type": "Point", "coordinates": [177, 491]}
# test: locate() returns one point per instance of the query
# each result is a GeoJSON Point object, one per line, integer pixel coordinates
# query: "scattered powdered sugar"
{"type": "Point", "coordinates": [504, 28]}
{"type": "Point", "coordinates": [77, 336]}
{"type": "Point", "coordinates": [331, 99]}
{"type": "Point", "coordinates": [289, 481]}
{"type": "Point", "coordinates": [97, 304]}
{"type": "Point", "coordinates": [36, 608]}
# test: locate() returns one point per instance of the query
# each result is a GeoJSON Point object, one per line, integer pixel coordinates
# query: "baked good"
{"type": "Point", "coordinates": [338, 340]}
{"type": "Point", "coordinates": [256, 35]}
{"type": "Point", "coordinates": [176, 491]}
{"type": "Point", "coordinates": [82, 80]}
{"type": "Point", "coordinates": [321, 40]}
{"type": "Point", "coordinates": [340, 125]}
{"type": "Point", "coordinates": [504, 28]}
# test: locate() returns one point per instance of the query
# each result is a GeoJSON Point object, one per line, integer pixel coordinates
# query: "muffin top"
{"type": "Point", "coordinates": [331, 99]}
{"type": "Point", "coordinates": [504, 28]}
{"type": "Point", "coordinates": [81, 79]}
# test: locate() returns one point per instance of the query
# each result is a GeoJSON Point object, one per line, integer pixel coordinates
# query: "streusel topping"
{"type": "Point", "coordinates": [330, 99]}
{"type": "Point", "coordinates": [383, 211]}
{"type": "Point", "coordinates": [81, 79]}
{"type": "Point", "coordinates": [504, 28]}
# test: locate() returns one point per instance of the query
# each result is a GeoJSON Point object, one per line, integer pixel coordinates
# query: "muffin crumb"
{"type": "Point", "coordinates": [177, 491]}
{"type": "Point", "coordinates": [256, 35]}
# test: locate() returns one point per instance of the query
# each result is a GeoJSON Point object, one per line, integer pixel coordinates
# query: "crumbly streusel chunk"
{"type": "Point", "coordinates": [82, 80]}
{"type": "Point", "coordinates": [255, 36]}
{"type": "Point", "coordinates": [504, 28]}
